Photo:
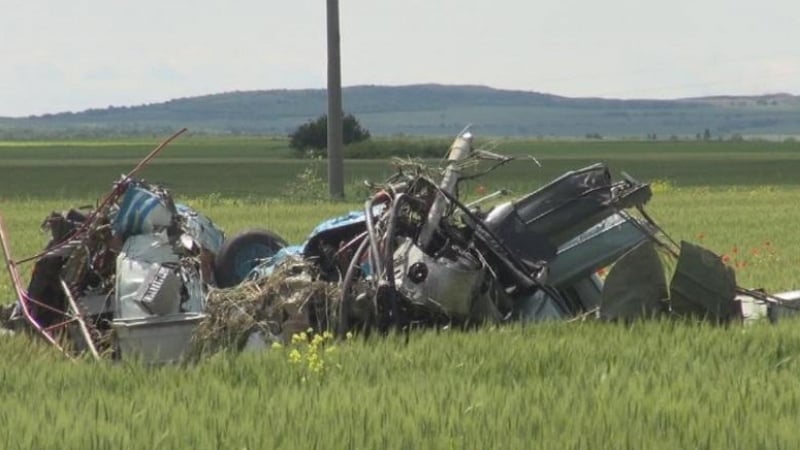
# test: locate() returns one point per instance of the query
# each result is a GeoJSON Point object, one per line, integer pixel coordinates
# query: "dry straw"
{"type": "Point", "coordinates": [290, 300]}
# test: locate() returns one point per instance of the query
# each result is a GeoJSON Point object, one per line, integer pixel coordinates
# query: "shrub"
{"type": "Point", "coordinates": [313, 135]}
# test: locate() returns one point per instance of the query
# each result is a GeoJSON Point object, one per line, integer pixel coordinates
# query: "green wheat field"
{"type": "Point", "coordinates": [562, 385]}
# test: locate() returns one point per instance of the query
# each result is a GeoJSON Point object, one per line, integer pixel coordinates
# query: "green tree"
{"type": "Point", "coordinates": [313, 135]}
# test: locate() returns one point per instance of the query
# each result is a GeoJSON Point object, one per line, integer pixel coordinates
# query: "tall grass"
{"type": "Point", "coordinates": [650, 385]}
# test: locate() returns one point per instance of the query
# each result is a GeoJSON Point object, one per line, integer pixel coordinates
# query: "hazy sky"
{"type": "Point", "coordinates": [71, 55]}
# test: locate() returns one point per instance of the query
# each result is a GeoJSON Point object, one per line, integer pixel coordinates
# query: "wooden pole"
{"type": "Point", "coordinates": [335, 156]}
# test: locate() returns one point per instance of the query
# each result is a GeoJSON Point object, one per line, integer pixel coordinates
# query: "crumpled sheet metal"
{"type": "Point", "coordinates": [636, 286]}
{"type": "Point", "coordinates": [703, 286]}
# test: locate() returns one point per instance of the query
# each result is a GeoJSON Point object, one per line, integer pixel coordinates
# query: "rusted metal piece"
{"type": "Point", "coordinates": [153, 154]}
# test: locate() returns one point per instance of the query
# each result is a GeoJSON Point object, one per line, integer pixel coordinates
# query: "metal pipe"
{"type": "Point", "coordinates": [351, 268]}
{"type": "Point", "coordinates": [370, 221]}
{"type": "Point", "coordinates": [79, 317]}
{"type": "Point", "coordinates": [153, 154]}
{"type": "Point", "coordinates": [373, 242]}
{"type": "Point", "coordinates": [461, 148]}
{"type": "Point", "coordinates": [351, 242]}
{"type": "Point", "coordinates": [58, 325]}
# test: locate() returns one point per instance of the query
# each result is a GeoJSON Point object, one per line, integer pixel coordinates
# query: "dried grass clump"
{"type": "Point", "coordinates": [290, 300]}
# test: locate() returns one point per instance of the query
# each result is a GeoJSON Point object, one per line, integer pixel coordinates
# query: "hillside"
{"type": "Point", "coordinates": [431, 110]}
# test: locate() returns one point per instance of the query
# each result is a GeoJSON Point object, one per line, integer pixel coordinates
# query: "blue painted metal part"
{"type": "Point", "coordinates": [202, 229]}
{"type": "Point", "coordinates": [265, 268]}
{"type": "Point", "coordinates": [351, 218]}
{"type": "Point", "coordinates": [136, 206]}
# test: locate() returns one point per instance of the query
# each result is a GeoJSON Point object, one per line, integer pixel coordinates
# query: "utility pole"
{"type": "Point", "coordinates": [335, 157]}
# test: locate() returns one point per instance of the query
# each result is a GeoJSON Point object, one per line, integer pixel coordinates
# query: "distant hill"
{"type": "Point", "coordinates": [431, 110]}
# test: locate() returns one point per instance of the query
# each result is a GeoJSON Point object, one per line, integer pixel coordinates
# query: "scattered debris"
{"type": "Point", "coordinates": [141, 275]}
{"type": "Point", "coordinates": [128, 277]}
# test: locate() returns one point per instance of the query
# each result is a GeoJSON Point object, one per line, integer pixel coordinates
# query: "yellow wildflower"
{"type": "Point", "coordinates": [318, 340]}
{"type": "Point", "coordinates": [295, 356]}
{"type": "Point", "coordinates": [299, 338]}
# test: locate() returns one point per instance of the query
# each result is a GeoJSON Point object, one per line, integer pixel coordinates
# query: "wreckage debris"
{"type": "Point", "coordinates": [143, 275]}
{"type": "Point", "coordinates": [271, 309]}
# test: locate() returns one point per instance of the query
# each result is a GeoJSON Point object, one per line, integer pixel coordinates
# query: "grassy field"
{"type": "Point", "coordinates": [654, 385]}
{"type": "Point", "coordinates": [576, 385]}
{"type": "Point", "coordinates": [250, 168]}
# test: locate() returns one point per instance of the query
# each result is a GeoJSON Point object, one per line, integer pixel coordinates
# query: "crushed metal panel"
{"type": "Point", "coordinates": [595, 248]}
{"type": "Point", "coordinates": [160, 292]}
{"type": "Point", "coordinates": [636, 286]}
{"type": "Point", "coordinates": [159, 339]}
{"type": "Point", "coordinates": [703, 286]}
{"type": "Point", "coordinates": [139, 260]}
{"type": "Point", "coordinates": [567, 205]}
{"type": "Point", "coordinates": [535, 225]}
